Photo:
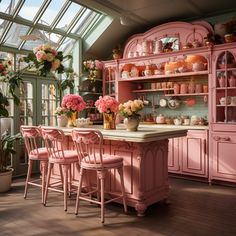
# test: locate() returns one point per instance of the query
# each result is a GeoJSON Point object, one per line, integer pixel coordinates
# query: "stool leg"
{"type": "Point", "coordinates": [120, 171]}
{"type": "Point", "coordinates": [79, 190]}
{"type": "Point", "coordinates": [44, 165]}
{"type": "Point", "coordinates": [65, 169]}
{"type": "Point", "coordinates": [101, 176]}
{"type": "Point", "coordinates": [30, 163]}
{"type": "Point", "coordinates": [50, 166]}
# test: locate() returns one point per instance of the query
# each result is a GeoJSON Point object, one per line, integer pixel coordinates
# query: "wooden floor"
{"type": "Point", "coordinates": [195, 209]}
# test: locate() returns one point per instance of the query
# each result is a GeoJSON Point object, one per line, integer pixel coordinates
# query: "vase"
{"type": "Point", "coordinates": [72, 119]}
{"type": "Point", "coordinates": [131, 123]}
{"type": "Point", "coordinates": [109, 120]}
{"type": "Point", "coordinates": [62, 120]}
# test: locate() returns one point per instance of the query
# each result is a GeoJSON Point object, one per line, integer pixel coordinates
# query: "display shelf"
{"type": "Point", "coordinates": [89, 93]}
{"type": "Point", "coordinates": [229, 105]}
{"type": "Point", "coordinates": [151, 90]}
{"type": "Point", "coordinates": [223, 88]}
{"type": "Point", "coordinates": [151, 77]}
{"type": "Point", "coordinates": [186, 94]}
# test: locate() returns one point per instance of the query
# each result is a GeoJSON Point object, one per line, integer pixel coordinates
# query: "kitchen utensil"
{"type": "Point", "coordinates": [173, 103]}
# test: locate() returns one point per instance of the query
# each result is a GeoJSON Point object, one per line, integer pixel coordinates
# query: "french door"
{"type": "Point", "coordinates": [38, 101]}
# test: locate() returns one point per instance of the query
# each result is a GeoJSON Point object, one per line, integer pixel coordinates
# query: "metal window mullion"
{"type": "Point", "coordinates": [6, 32]}
{"type": "Point", "coordinates": [86, 23]}
{"type": "Point", "coordinates": [76, 19]}
{"type": "Point", "coordinates": [18, 8]}
{"type": "Point", "coordinates": [98, 18]}
{"type": "Point", "coordinates": [60, 14]}
{"type": "Point", "coordinates": [41, 10]}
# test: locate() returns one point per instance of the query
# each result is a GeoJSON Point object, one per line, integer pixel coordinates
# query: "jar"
{"type": "Point", "coordinates": [176, 88]}
{"type": "Point", "coordinates": [183, 88]}
{"type": "Point", "coordinates": [199, 88]}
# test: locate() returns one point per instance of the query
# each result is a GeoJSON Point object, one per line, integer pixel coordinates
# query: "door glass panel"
{"type": "Point", "coordinates": [225, 99]}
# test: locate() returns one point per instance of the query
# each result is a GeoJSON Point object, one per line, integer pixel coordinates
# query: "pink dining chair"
{"type": "Point", "coordinates": [32, 138]}
{"type": "Point", "coordinates": [88, 144]}
{"type": "Point", "coordinates": [56, 141]}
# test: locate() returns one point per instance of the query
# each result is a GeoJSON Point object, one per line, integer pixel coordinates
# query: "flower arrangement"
{"type": "Point", "coordinates": [131, 108]}
{"type": "Point", "coordinates": [72, 103]}
{"type": "Point", "coordinates": [107, 104]}
{"type": "Point", "coordinates": [94, 68]}
{"type": "Point", "coordinates": [5, 68]}
{"type": "Point", "coordinates": [60, 111]}
{"type": "Point", "coordinates": [46, 59]}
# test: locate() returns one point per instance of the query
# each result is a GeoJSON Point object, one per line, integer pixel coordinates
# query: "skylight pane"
{"type": "Point", "coordinates": [42, 37]}
{"type": "Point", "coordinates": [8, 6]}
{"type": "Point", "coordinates": [13, 35]}
{"type": "Point", "coordinates": [68, 16]}
{"type": "Point", "coordinates": [81, 20]}
{"type": "Point", "coordinates": [51, 12]}
{"type": "Point", "coordinates": [67, 45]}
{"type": "Point", "coordinates": [30, 9]}
{"type": "Point", "coordinates": [3, 24]}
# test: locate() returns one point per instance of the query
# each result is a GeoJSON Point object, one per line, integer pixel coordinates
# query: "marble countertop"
{"type": "Point", "coordinates": [144, 133]}
{"type": "Point", "coordinates": [197, 127]}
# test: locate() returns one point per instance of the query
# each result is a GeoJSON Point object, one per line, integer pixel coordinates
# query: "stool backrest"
{"type": "Point", "coordinates": [88, 144]}
{"type": "Point", "coordinates": [55, 141]}
{"type": "Point", "coordinates": [32, 136]}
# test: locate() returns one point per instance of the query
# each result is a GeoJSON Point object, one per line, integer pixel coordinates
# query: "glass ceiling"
{"type": "Point", "coordinates": [25, 24]}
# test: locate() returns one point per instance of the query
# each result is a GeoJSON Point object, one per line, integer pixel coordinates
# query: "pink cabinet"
{"type": "Point", "coordinates": [189, 155]}
{"type": "Point", "coordinates": [223, 163]}
{"type": "Point", "coordinates": [223, 114]}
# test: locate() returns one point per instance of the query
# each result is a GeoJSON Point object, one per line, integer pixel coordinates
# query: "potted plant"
{"type": "Point", "coordinates": [7, 149]}
{"type": "Point", "coordinates": [230, 31]}
{"type": "Point", "coordinates": [7, 140]}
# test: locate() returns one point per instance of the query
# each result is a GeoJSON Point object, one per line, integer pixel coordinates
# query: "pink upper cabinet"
{"type": "Point", "coordinates": [172, 36]}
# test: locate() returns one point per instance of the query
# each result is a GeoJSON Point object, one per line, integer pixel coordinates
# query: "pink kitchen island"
{"type": "Point", "coordinates": [145, 154]}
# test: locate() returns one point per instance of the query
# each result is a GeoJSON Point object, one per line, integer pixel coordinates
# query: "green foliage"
{"type": "Point", "coordinates": [7, 148]}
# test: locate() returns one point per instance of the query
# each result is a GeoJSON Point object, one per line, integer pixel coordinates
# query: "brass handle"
{"type": "Point", "coordinates": [225, 139]}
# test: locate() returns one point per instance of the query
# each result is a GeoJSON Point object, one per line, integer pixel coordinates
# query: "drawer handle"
{"type": "Point", "coordinates": [216, 138]}
{"type": "Point", "coordinates": [225, 139]}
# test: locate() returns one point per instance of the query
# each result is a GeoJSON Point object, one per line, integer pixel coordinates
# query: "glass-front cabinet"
{"type": "Point", "coordinates": [225, 88]}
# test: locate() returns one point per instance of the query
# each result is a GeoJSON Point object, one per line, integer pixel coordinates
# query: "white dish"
{"type": "Point", "coordinates": [163, 102]}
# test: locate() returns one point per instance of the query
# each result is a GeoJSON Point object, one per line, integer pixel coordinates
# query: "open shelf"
{"type": "Point", "coordinates": [186, 94]}
{"type": "Point", "coordinates": [151, 90]}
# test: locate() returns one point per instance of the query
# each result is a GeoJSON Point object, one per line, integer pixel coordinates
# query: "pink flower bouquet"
{"type": "Point", "coordinates": [107, 104]}
{"type": "Point", "coordinates": [72, 103]}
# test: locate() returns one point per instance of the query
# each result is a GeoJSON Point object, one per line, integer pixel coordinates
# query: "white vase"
{"type": "Point", "coordinates": [132, 123]}
{"type": "Point", "coordinates": [62, 121]}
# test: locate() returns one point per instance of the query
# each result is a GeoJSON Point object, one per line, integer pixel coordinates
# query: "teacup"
{"type": "Point", "coordinates": [224, 100]}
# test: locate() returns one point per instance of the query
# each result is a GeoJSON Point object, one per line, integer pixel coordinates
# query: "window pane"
{"type": "Point", "coordinates": [67, 45]}
{"type": "Point", "coordinates": [43, 37]}
{"type": "Point", "coordinates": [3, 24]}
{"type": "Point", "coordinates": [51, 12]}
{"type": "Point", "coordinates": [13, 35]}
{"type": "Point", "coordinates": [68, 16]}
{"type": "Point", "coordinates": [30, 9]}
{"type": "Point", "coordinates": [7, 6]}
{"type": "Point", "coordinates": [82, 20]}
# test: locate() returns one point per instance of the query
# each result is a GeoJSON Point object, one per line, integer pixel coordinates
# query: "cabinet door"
{"type": "Point", "coordinates": [194, 153]}
{"type": "Point", "coordinates": [224, 88]}
{"type": "Point", "coordinates": [173, 155]}
{"type": "Point", "coordinates": [223, 156]}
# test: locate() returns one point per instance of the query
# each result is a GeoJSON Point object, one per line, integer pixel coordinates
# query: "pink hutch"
{"type": "Point", "coordinates": [164, 62]}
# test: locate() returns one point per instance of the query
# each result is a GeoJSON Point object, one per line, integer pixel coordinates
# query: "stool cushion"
{"type": "Point", "coordinates": [39, 154]}
{"type": "Point", "coordinates": [70, 157]}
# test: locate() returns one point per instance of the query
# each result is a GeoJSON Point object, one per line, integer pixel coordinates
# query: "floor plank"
{"type": "Point", "coordinates": [195, 209]}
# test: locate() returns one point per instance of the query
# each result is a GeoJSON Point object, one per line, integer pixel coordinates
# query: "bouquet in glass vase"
{"type": "Point", "coordinates": [109, 106]}
{"type": "Point", "coordinates": [94, 68]}
{"type": "Point", "coordinates": [71, 105]}
{"type": "Point", "coordinates": [130, 111]}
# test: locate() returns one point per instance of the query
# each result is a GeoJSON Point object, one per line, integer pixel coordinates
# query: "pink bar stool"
{"type": "Point", "coordinates": [88, 144]}
{"type": "Point", "coordinates": [32, 138]}
{"type": "Point", "coordinates": [55, 141]}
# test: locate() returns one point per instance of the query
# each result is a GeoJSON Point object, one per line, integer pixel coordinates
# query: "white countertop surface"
{"type": "Point", "coordinates": [144, 133]}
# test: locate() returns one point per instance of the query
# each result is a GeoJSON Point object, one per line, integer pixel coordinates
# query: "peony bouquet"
{"type": "Point", "coordinates": [94, 68]}
{"type": "Point", "coordinates": [46, 59]}
{"type": "Point", "coordinates": [72, 103]}
{"type": "Point", "coordinates": [107, 104]}
{"type": "Point", "coordinates": [131, 108]}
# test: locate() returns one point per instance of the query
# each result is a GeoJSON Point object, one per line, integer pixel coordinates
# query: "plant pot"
{"type": "Point", "coordinates": [131, 123]}
{"type": "Point", "coordinates": [5, 180]}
